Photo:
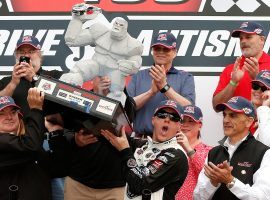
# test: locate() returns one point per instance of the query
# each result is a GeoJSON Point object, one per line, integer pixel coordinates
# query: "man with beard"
{"type": "Point", "coordinates": [235, 80]}
{"type": "Point", "coordinates": [25, 74]}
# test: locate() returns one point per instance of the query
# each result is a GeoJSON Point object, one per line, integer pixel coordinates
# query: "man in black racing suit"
{"type": "Point", "coordinates": [159, 167]}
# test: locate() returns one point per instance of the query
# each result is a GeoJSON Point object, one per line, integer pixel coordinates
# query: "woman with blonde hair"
{"type": "Point", "coordinates": [196, 150]}
{"type": "Point", "coordinates": [20, 140]}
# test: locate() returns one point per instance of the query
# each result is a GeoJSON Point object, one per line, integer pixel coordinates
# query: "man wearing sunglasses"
{"type": "Point", "coordinates": [160, 82]}
{"type": "Point", "coordinates": [260, 97]}
{"type": "Point", "coordinates": [235, 78]}
{"type": "Point", "coordinates": [158, 167]}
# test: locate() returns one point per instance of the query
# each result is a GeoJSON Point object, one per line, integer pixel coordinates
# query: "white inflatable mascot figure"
{"type": "Point", "coordinates": [117, 54]}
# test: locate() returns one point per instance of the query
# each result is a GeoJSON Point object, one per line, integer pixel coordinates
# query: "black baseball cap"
{"type": "Point", "coordinates": [238, 104]}
{"type": "Point", "coordinates": [250, 28]}
{"type": "Point", "coordinates": [28, 40]}
{"type": "Point", "coordinates": [194, 112]}
{"type": "Point", "coordinates": [7, 101]}
{"type": "Point", "coordinates": [165, 39]}
{"type": "Point", "coordinates": [263, 77]}
{"type": "Point", "coordinates": [170, 104]}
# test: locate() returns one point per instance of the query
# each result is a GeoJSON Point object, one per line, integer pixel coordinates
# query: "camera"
{"type": "Point", "coordinates": [24, 59]}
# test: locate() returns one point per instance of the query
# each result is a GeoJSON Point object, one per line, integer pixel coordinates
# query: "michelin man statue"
{"type": "Point", "coordinates": [117, 54]}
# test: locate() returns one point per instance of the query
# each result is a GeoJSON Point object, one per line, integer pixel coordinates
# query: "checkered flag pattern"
{"type": "Point", "coordinates": [244, 5]}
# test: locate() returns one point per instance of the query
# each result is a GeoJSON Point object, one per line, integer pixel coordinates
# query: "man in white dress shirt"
{"type": "Point", "coordinates": [239, 168]}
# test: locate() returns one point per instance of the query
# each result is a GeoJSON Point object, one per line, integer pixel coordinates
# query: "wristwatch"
{"type": "Point", "coordinates": [35, 78]}
{"type": "Point", "coordinates": [190, 153]}
{"type": "Point", "coordinates": [165, 88]}
{"type": "Point", "coordinates": [231, 184]}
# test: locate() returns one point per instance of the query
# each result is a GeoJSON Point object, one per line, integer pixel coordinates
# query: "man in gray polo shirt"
{"type": "Point", "coordinates": [158, 83]}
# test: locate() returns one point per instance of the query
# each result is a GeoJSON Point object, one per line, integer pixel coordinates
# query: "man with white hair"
{"type": "Point", "coordinates": [25, 73]}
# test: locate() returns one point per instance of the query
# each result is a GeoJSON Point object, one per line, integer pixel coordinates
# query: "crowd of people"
{"type": "Point", "coordinates": [164, 158]}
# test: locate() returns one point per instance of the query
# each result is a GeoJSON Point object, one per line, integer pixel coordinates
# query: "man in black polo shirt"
{"type": "Point", "coordinates": [239, 168]}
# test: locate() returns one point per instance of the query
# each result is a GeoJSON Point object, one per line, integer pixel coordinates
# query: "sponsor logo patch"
{"type": "Point", "coordinates": [105, 107]}
{"type": "Point", "coordinates": [46, 86]}
{"type": "Point", "coordinates": [75, 98]}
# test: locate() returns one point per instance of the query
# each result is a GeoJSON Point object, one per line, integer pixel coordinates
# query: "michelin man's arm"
{"type": "Point", "coordinates": [130, 66]}
{"type": "Point", "coordinates": [75, 34]}
{"type": "Point", "coordinates": [133, 63]}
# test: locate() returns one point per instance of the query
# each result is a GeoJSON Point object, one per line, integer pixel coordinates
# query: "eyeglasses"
{"type": "Point", "coordinates": [161, 49]}
{"type": "Point", "coordinates": [257, 87]}
{"type": "Point", "coordinates": [164, 115]}
{"type": "Point", "coordinates": [26, 52]}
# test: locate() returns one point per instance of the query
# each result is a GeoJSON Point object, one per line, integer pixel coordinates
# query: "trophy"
{"type": "Point", "coordinates": [82, 109]}
{"type": "Point", "coordinates": [117, 54]}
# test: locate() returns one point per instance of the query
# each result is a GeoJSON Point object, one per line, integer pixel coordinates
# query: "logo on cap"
{"type": "Point", "coordinates": [27, 38]}
{"type": "Point", "coordinates": [258, 31]}
{"type": "Point", "coordinates": [162, 37]}
{"type": "Point", "coordinates": [247, 111]}
{"type": "Point", "coordinates": [233, 100]}
{"type": "Point", "coordinates": [4, 100]}
{"type": "Point", "coordinates": [244, 25]}
{"type": "Point", "coordinates": [265, 75]}
{"type": "Point", "coordinates": [189, 109]}
{"type": "Point", "coordinates": [171, 103]}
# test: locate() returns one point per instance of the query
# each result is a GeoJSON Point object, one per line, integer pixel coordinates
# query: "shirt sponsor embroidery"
{"type": "Point", "coordinates": [244, 164]}
{"type": "Point", "coordinates": [136, 172]}
{"type": "Point", "coordinates": [163, 159]}
{"type": "Point", "coordinates": [169, 154]}
{"type": "Point", "coordinates": [131, 163]}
